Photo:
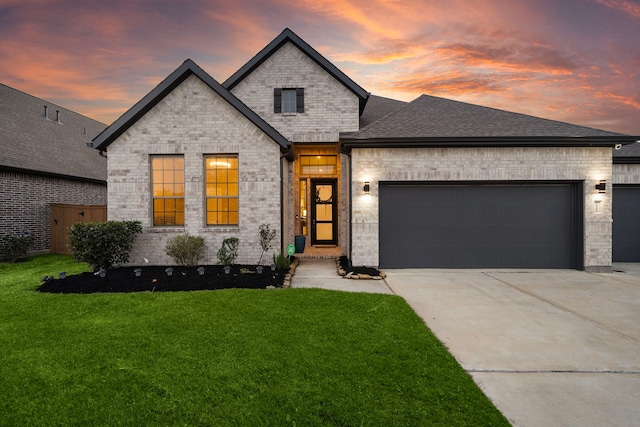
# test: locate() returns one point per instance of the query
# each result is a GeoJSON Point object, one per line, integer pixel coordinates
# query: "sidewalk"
{"type": "Point", "coordinates": [323, 274]}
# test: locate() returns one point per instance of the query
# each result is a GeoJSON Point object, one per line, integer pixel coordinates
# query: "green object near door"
{"type": "Point", "coordinates": [291, 249]}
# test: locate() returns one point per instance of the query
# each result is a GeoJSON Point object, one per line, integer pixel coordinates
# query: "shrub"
{"type": "Point", "coordinates": [103, 244]}
{"type": "Point", "coordinates": [16, 247]}
{"type": "Point", "coordinates": [185, 249]}
{"type": "Point", "coordinates": [266, 239]}
{"type": "Point", "coordinates": [281, 261]}
{"type": "Point", "coordinates": [229, 250]}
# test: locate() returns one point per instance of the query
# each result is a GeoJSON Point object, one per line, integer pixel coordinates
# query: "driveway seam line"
{"type": "Point", "coordinates": [566, 309]}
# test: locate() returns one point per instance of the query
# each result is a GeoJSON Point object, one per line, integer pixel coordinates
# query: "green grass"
{"type": "Point", "coordinates": [237, 357]}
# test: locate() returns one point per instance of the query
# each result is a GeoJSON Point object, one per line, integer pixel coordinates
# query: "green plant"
{"type": "Point", "coordinates": [103, 244]}
{"type": "Point", "coordinates": [16, 247]}
{"type": "Point", "coordinates": [228, 252]}
{"type": "Point", "coordinates": [185, 250]}
{"type": "Point", "coordinates": [281, 261]}
{"type": "Point", "coordinates": [266, 238]}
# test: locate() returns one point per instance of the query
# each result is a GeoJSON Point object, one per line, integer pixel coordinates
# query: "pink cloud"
{"type": "Point", "coordinates": [627, 7]}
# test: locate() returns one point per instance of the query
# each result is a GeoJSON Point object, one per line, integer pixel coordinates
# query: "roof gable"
{"type": "Point", "coordinates": [188, 68]}
{"type": "Point", "coordinates": [435, 121]}
{"type": "Point", "coordinates": [33, 143]}
{"type": "Point", "coordinates": [289, 36]}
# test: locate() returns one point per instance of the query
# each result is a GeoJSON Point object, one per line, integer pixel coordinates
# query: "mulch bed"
{"type": "Point", "coordinates": [155, 279]}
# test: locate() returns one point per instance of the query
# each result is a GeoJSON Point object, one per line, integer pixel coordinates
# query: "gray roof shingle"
{"type": "Point", "coordinates": [430, 116]}
{"type": "Point", "coordinates": [30, 142]}
{"type": "Point", "coordinates": [627, 154]}
{"type": "Point", "coordinates": [377, 107]}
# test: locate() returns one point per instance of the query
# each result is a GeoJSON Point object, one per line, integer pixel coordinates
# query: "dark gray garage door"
{"type": "Point", "coordinates": [479, 226]}
{"type": "Point", "coordinates": [626, 224]}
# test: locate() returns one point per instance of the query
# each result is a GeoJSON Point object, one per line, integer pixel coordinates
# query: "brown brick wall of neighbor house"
{"type": "Point", "coordinates": [25, 199]}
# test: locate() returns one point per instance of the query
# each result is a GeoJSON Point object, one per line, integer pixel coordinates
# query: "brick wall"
{"type": "Point", "coordinates": [481, 164]}
{"type": "Point", "coordinates": [193, 120]}
{"type": "Point", "coordinates": [330, 108]}
{"type": "Point", "coordinates": [626, 174]}
{"type": "Point", "coordinates": [25, 199]}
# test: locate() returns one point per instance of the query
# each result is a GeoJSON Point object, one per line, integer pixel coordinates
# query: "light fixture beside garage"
{"type": "Point", "coordinates": [367, 187]}
{"type": "Point", "coordinates": [602, 186]}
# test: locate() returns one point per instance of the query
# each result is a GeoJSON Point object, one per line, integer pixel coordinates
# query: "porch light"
{"type": "Point", "coordinates": [367, 187]}
{"type": "Point", "coordinates": [169, 271]}
{"type": "Point", "coordinates": [602, 186]}
{"type": "Point", "coordinates": [102, 272]}
{"type": "Point", "coordinates": [62, 275]}
{"type": "Point", "coordinates": [137, 272]}
{"type": "Point", "coordinates": [259, 269]}
{"type": "Point", "coordinates": [201, 271]}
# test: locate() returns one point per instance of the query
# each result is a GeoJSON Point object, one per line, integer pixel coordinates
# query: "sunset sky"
{"type": "Point", "coordinates": [571, 60]}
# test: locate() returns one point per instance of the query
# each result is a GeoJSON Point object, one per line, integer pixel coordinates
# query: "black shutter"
{"type": "Point", "coordinates": [277, 100]}
{"type": "Point", "coordinates": [300, 100]}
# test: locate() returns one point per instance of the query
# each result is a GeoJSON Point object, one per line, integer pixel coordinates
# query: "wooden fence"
{"type": "Point", "coordinates": [64, 216]}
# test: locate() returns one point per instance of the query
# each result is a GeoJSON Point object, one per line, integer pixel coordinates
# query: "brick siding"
{"type": "Point", "coordinates": [25, 200]}
{"type": "Point", "coordinates": [481, 164]}
{"type": "Point", "coordinates": [193, 121]}
{"type": "Point", "coordinates": [330, 108]}
{"type": "Point", "coordinates": [626, 174]}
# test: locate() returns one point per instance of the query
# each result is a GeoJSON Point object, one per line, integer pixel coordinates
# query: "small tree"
{"type": "Point", "coordinates": [229, 250]}
{"type": "Point", "coordinates": [266, 239]}
{"type": "Point", "coordinates": [103, 244]}
{"type": "Point", "coordinates": [185, 250]}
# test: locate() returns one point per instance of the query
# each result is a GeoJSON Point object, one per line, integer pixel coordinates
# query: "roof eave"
{"type": "Point", "coordinates": [347, 142]}
{"type": "Point", "coordinates": [110, 134]}
{"type": "Point", "coordinates": [628, 160]}
{"type": "Point", "coordinates": [52, 174]}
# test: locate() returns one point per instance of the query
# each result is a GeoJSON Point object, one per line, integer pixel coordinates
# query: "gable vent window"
{"type": "Point", "coordinates": [288, 101]}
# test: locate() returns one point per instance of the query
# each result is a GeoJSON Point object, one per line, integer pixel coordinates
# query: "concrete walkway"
{"type": "Point", "coordinates": [549, 347]}
{"type": "Point", "coordinates": [323, 273]}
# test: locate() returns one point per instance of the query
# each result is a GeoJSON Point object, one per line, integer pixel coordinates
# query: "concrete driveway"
{"type": "Point", "coordinates": [549, 347]}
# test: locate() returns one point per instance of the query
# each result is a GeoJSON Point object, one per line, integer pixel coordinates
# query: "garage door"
{"type": "Point", "coordinates": [626, 224]}
{"type": "Point", "coordinates": [481, 225]}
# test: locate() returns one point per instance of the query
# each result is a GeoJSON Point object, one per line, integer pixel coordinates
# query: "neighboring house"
{"type": "Point", "coordinates": [291, 141]}
{"type": "Point", "coordinates": [626, 204]}
{"type": "Point", "coordinates": [44, 160]}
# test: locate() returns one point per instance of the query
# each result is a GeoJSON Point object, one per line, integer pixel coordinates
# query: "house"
{"type": "Point", "coordinates": [626, 204]}
{"type": "Point", "coordinates": [291, 141]}
{"type": "Point", "coordinates": [44, 160]}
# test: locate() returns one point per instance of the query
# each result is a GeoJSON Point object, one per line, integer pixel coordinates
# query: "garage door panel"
{"type": "Point", "coordinates": [626, 224]}
{"type": "Point", "coordinates": [477, 226]}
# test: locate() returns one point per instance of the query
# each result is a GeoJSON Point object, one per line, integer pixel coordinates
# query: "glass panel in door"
{"type": "Point", "coordinates": [323, 210]}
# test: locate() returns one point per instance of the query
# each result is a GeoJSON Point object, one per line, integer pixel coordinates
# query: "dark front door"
{"type": "Point", "coordinates": [323, 212]}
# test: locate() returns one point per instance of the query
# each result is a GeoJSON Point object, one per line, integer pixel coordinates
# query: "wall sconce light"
{"type": "Point", "coordinates": [602, 186]}
{"type": "Point", "coordinates": [367, 187]}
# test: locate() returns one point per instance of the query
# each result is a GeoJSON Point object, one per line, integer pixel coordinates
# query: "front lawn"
{"type": "Point", "coordinates": [228, 357]}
